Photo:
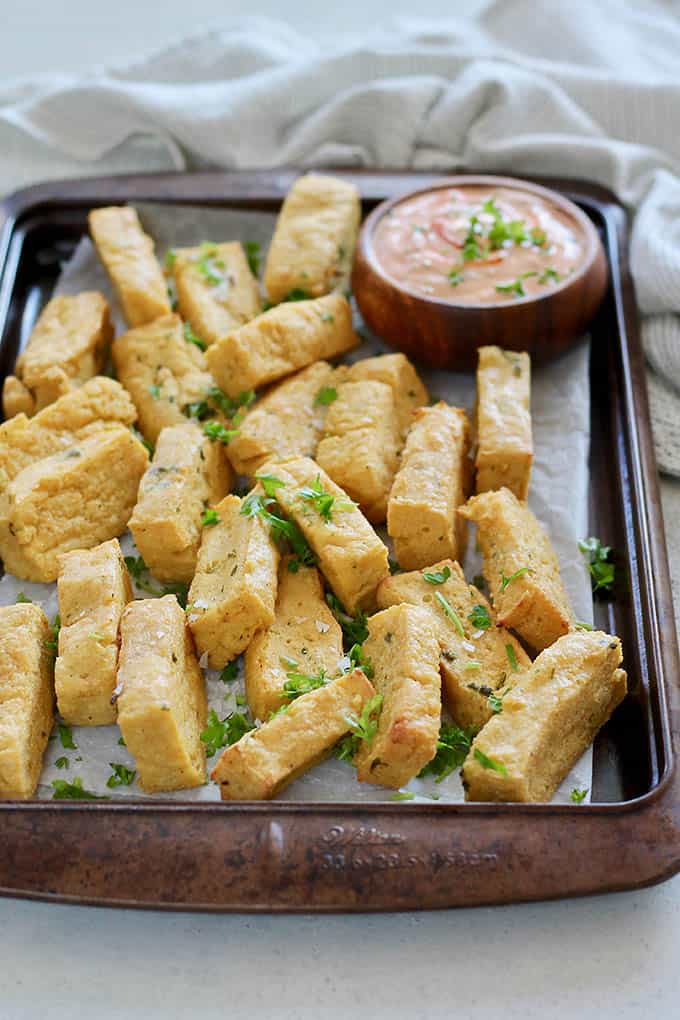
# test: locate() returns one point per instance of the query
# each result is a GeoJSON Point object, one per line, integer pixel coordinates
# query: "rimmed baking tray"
{"type": "Point", "coordinates": [304, 857]}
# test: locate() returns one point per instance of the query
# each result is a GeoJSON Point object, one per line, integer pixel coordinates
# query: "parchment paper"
{"type": "Point", "coordinates": [559, 490]}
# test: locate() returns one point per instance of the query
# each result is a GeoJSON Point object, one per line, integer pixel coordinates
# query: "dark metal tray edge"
{"type": "Point", "coordinates": [289, 857]}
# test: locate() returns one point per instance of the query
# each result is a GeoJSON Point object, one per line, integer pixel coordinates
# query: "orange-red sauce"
{"type": "Point", "coordinates": [478, 245]}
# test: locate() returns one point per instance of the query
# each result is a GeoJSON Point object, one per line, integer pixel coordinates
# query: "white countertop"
{"type": "Point", "coordinates": [613, 956]}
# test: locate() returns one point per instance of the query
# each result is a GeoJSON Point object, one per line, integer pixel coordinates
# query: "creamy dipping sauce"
{"type": "Point", "coordinates": [478, 244]}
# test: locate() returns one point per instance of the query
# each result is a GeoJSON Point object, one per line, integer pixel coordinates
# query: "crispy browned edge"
{"type": "Point", "coordinates": [293, 857]}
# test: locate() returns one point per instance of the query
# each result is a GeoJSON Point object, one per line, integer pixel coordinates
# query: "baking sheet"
{"type": "Point", "coordinates": [559, 497]}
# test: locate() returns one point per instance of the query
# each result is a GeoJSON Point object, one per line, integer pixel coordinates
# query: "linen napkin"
{"type": "Point", "coordinates": [572, 89]}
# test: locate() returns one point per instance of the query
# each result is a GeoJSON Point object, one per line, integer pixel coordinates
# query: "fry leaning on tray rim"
{"type": "Point", "coordinates": [398, 671]}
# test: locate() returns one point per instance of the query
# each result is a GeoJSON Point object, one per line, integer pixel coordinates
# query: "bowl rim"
{"type": "Point", "coordinates": [593, 249]}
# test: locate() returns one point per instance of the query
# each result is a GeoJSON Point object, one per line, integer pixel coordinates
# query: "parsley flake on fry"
{"type": "Point", "coordinates": [512, 658]}
{"type": "Point", "coordinates": [270, 483]}
{"type": "Point", "coordinates": [357, 661]}
{"type": "Point", "coordinates": [302, 683]}
{"type": "Point", "coordinates": [209, 265]}
{"type": "Point", "coordinates": [490, 763]}
{"type": "Point", "coordinates": [450, 612]}
{"type": "Point", "coordinates": [437, 576]}
{"type": "Point", "coordinates": [495, 700]}
{"type": "Point", "coordinates": [218, 433]}
{"type": "Point", "coordinates": [325, 503]}
{"type": "Point", "coordinates": [326, 396]}
{"type": "Point", "coordinates": [210, 517]}
{"type": "Point", "coordinates": [479, 618]}
{"type": "Point", "coordinates": [505, 581]}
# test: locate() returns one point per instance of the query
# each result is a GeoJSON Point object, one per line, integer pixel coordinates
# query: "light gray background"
{"type": "Point", "coordinates": [614, 956]}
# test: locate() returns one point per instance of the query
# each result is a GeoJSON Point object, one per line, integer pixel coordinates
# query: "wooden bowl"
{"type": "Point", "coordinates": [446, 334]}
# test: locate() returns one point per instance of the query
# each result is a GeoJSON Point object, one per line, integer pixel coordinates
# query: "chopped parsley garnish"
{"type": "Point", "coordinates": [453, 747]}
{"type": "Point", "coordinates": [180, 590]}
{"type": "Point", "coordinates": [209, 266]}
{"type": "Point", "coordinates": [403, 795]}
{"type": "Point", "coordinates": [281, 529]}
{"type": "Point", "coordinates": [356, 658]}
{"type": "Point", "coordinates": [578, 796]}
{"type": "Point", "coordinates": [121, 775]}
{"type": "Point", "coordinates": [22, 599]}
{"type": "Point", "coordinates": [538, 237]}
{"type": "Point", "coordinates": [230, 406]}
{"type": "Point", "coordinates": [210, 517]}
{"type": "Point", "coordinates": [450, 612]}
{"type": "Point", "coordinates": [516, 286]}
{"type": "Point", "coordinates": [218, 433]}
{"type": "Point", "coordinates": [479, 581]}
{"type": "Point", "coordinates": [121, 742]}
{"type": "Point", "coordinates": [490, 763]}
{"type": "Point", "coordinates": [66, 737]}
{"type": "Point", "coordinates": [297, 294]}
{"type": "Point", "coordinates": [471, 248]}
{"type": "Point", "coordinates": [455, 278]}
{"type": "Point", "coordinates": [52, 643]}
{"type": "Point", "coordinates": [278, 711]}
{"type": "Point", "coordinates": [325, 503]}
{"type": "Point", "coordinates": [230, 672]}
{"type": "Point", "coordinates": [224, 732]}
{"type": "Point", "coordinates": [302, 683]}
{"type": "Point", "coordinates": [252, 250]}
{"type": "Point", "coordinates": [326, 396]}
{"type": "Point", "coordinates": [495, 700]}
{"type": "Point", "coordinates": [191, 337]}
{"type": "Point", "coordinates": [354, 628]}
{"type": "Point", "coordinates": [270, 483]}
{"type": "Point", "coordinates": [62, 762]}
{"type": "Point", "coordinates": [512, 658]}
{"type": "Point", "coordinates": [155, 391]}
{"type": "Point", "coordinates": [479, 617]}
{"type": "Point", "coordinates": [138, 569]}
{"type": "Point", "coordinates": [549, 274]}
{"type": "Point", "coordinates": [72, 791]}
{"type": "Point", "coordinates": [503, 230]}
{"type": "Point", "coordinates": [437, 576]}
{"type": "Point", "coordinates": [216, 400]}
{"type": "Point", "coordinates": [602, 569]}
{"type": "Point", "coordinates": [506, 580]}
{"type": "Point", "coordinates": [140, 438]}
{"type": "Point", "coordinates": [393, 565]}
{"type": "Point", "coordinates": [363, 728]}
{"type": "Point", "coordinates": [170, 259]}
